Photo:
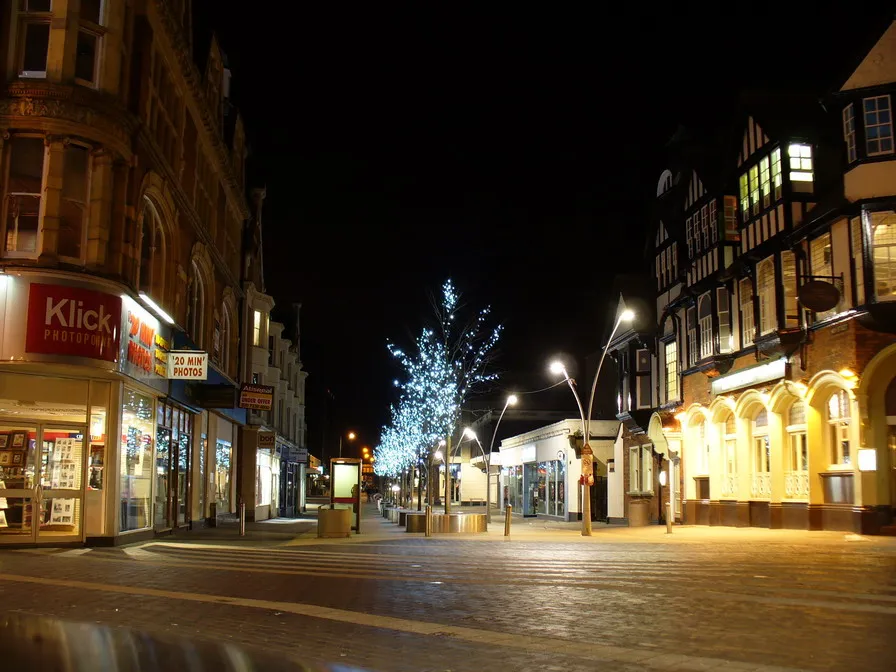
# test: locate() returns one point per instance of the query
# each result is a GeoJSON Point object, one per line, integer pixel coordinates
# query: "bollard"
{"type": "Point", "coordinates": [428, 526]}
{"type": "Point", "coordinates": [507, 513]}
{"type": "Point", "coordinates": [668, 517]}
{"type": "Point", "coordinates": [242, 519]}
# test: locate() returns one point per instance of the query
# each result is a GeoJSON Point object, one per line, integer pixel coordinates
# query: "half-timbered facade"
{"type": "Point", "coordinates": [775, 350]}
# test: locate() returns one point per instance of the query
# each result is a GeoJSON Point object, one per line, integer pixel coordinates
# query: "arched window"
{"type": "Point", "coordinates": [729, 457]}
{"type": "Point", "coordinates": [838, 427]}
{"type": "Point", "coordinates": [225, 339]}
{"type": "Point", "coordinates": [195, 305]}
{"type": "Point", "coordinates": [883, 252]}
{"type": "Point", "coordinates": [761, 449]}
{"type": "Point", "coordinates": [765, 287]}
{"type": "Point", "coordinates": [152, 253]}
{"type": "Point", "coordinates": [796, 479]}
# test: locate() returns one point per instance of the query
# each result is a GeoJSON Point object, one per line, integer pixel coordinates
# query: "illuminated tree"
{"type": "Point", "coordinates": [450, 361]}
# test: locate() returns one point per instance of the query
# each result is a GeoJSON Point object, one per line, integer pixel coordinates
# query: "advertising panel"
{"type": "Point", "coordinates": [187, 365]}
{"type": "Point", "coordinates": [73, 322]}
{"type": "Point", "coordinates": [257, 397]}
{"type": "Point", "coordinates": [144, 345]}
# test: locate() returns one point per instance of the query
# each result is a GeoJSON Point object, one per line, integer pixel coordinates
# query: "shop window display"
{"type": "Point", "coordinates": [137, 439]}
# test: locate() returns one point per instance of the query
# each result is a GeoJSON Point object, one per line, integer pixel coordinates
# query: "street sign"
{"type": "Point", "coordinates": [187, 365]}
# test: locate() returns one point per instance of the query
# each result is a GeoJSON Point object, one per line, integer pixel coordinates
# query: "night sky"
{"type": "Point", "coordinates": [515, 151]}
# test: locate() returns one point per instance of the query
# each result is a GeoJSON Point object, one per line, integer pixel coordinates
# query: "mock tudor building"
{"type": "Point", "coordinates": [774, 267]}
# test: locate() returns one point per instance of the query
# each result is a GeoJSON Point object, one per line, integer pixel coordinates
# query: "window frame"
{"type": "Point", "coordinates": [877, 219]}
{"type": "Point", "coordinates": [723, 310]}
{"type": "Point", "coordinates": [747, 314]}
{"type": "Point", "coordinates": [704, 322]}
{"type": "Point", "coordinates": [98, 32]}
{"type": "Point", "coordinates": [887, 125]}
{"type": "Point", "coordinates": [31, 18]}
{"type": "Point", "coordinates": [5, 194]}
{"type": "Point", "coordinates": [85, 219]}
{"type": "Point", "coordinates": [765, 286]}
{"type": "Point", "coordinates": [671, 372]}
{"type": "Point", "coordinates": [849, 132]}
{"type": "Point", "coordinates": [839, 431]}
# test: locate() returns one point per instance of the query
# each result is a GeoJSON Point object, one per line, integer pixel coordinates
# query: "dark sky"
{"type": "Point", "coordinates": [515, 151]}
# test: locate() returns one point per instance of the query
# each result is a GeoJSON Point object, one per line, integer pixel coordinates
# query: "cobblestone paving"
{"type": "Point", "coordinates": [537, 605]}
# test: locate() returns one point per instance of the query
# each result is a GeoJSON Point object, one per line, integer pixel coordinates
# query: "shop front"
{"type": "Point", "coordinates": [83, 363]}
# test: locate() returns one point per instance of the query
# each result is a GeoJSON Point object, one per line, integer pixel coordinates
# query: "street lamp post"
{"type": "Point", "coordinates": [351, 437]}
{"type": "Point", "coordinates": [587, 453]}
{"type": "Point", "coordinates": [487, 457]}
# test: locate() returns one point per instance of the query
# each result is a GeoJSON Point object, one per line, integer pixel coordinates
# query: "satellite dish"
{"type": "Point", "coordinates": [818, 295]}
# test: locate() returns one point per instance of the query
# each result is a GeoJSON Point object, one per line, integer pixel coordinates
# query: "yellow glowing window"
{"type": "Point", "coordinates": [765, 182]}
{"type": "Point", "coordinates": [754, 188]}
{"type": "Point", "coordinates": [776, 172]}
{"type": "Point", "coordinates": [744, 194]}
{"type": "Point", "coordinates": [800, 163]}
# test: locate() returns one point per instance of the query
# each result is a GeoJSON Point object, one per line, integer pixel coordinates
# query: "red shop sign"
{"type": "Point", "coordinates": [72, 321]}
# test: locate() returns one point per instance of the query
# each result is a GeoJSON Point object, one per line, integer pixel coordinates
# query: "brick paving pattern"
{"type": "Point", "coordinates": [797, 605]}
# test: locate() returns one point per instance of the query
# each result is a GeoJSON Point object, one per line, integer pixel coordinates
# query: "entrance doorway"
{"type": "Point", "coordinates": [174, 442]}
{"type": "Point", "coordinates": [42, 470]}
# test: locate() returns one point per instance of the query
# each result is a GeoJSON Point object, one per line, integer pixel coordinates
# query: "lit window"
{"type": "Point", "coordinates": [729, 457]}
{"type": "Point", "coordinates": [765, 287]}
{"type": "Point", "coordinates": [754, 188]}
{"type": "Point", "coordinates": [24, 186]}
{"type": "Point", "coordinates": [744, 195]}
{"type": "Point", "coordinates": [776, 172]}
{"type": "Point", "coordinates": [256, 329]}
{"type": "Point", "coordinates": [821, 256]}
{"type": "Point", "coordinates": [761, 443]}
{"type": "Point", "coordinates": [878, 126]}
{"type": "Point", "coordinates": [704, 313]}
{"type": "Point", "coordinates": [801, 171]}
{"type": "Point", "coordinates": [724, 311]}
{"type": "Point", "coordinates": [883, 254]}
{"type": "Point", "coordinates": [855, 230]}
{"type": "Point", "coordinates": [765, 182]}
{"type": "Point", "coordinates": [671, 357]}
{"type": "Point", "coordinates": [692, 336]}
{"type": "Point", "coordinates": [796, 478]}
{"type": "Point", "coordinates": [838, 428]}
{"type": "Point", "coordinates": [849, 132]}
{"type": "Point", "coordinates": [748, 324]}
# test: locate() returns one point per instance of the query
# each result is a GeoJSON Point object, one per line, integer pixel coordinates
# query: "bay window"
{"type": "Point", "coordinates": [878, 126]}
{"type": "Point", "coordinates": [883, 254]}
{"type": "Point", "coordinates": [23, 198]}
{"type": "Point", "coordinates": [849, 132]}
{"type": "Point", "coordinates": [74, 203]}
{"type": "Point", "coordinates": [802, 174]}
{"type": "Point", "coordinates": [765, 287]}
{"type": "Point", "coordinates": [858, 257]}
{"type": "Point", "coordinates": [704, 313]}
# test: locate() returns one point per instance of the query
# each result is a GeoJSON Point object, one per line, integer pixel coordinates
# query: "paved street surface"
{"type": "Point", "coordinates": [546, 599]}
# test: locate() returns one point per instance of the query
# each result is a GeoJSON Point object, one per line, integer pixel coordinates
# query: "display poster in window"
{"type": "Point", "coordinates": [64, 461]}
{"type": "Point", "coordinates": [145, 344]}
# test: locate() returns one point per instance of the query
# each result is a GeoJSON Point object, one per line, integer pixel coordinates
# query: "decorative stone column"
{"type": "Point", "coordinates": [99, 226]}
{"type": "Point", "coordinates": [52, 200]}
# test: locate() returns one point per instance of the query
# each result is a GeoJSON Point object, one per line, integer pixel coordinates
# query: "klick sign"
{"type": "Point", "coordinates": [73, 322]}
{"type": "Point", "coordinates": [187, 365]}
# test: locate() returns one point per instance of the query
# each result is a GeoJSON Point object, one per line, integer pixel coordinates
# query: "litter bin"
{"type": "Point", "coordinates": [333, 523]}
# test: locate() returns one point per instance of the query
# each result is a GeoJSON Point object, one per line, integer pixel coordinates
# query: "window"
{"type": "Point", "coordinates": [671, 358]}
{"type": "Point", "coordinates": [801, 171]}
{"type": "Point", "coordinates": [195, 305]}
{"type": "Point", "coordinates": [788, 286]}
{"type": "Point", "coordinates": [704, 314]}
{"type": "Point", "coordinates": [692, 336]}
{"type": "Point", "coordinates": [646, 469]}
{"type": "Point", "coordinates": [796, 478]}
{"type": "Point", "coordinates": [838, 428]}
{"type": "Point", "coordinates": [748, 324]}
{"type": "Point", "coordinates": [690, 237]}
{"type": "Point", "coordinates": [24, 186]}
{"type": "Point", "coordinates": [744, 196]}
{"type": "Point", "coordinates": [641, 469]}
{"type": "Point", "coordinates": [634, 469]}
{"type": "Point", "coordinates": [136, 468]}
{"type": "Point", "coordinates": [849, 132]}
{"type": "Point", "coordinates": [754, 188]}
{"type": "Point", "coordinates": [152, 253]}
{"type": "Point", "coordinates": [765, 183]}
{"type": "Point", "coordinates": [701, 447]}
{"type": "Point", "coordinates": [713, 221]}
{"type": "Point", "coordinates": [878, 126]}
{"type": "Point", "coordinates": [855, 231]}
{"type": "Point", "coordinates": [642, 373]}
{"type": "Point", "coordinates": [704, 225]}
{"type": "Point", "coordinates": [731, 232]}
{"type": "Point", "coordinates": [821, 257]}
{"type": "Point", "coordinates": [34, 31]}
{"type": "Point", "coordinates": [765, 287]}
{"type": "Point", "coordinates": [883, 254]}
{"type": "Point", "coordinates": [776, 172]}
{"type": "Point", "coordinates": [729, 457]}
{"type": "Point", "coordinates": [761, 456]}
{"type": "Point", "coordinates": [90, 33]}
{"type": "Point", "coordinates": [74, 204]}
{"type": "Point", "coordinates": [723, 308]}
{"type": "Point", "coordinates": [256, 329]}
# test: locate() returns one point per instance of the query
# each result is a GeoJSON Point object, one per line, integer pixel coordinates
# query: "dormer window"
{"type": "Point", "coordinates": [878, 126]}
{"type": "Point", "coordinates": [801, 169]}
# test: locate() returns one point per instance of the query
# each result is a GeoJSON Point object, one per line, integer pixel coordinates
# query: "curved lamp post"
{"type": "Point", "coordinates": [511, 401]}
{"type": "Point", "coordinates": [558, 368]}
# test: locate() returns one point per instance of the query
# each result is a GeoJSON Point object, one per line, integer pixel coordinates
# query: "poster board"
{"type": "Point", "coordinates": [345, 487]}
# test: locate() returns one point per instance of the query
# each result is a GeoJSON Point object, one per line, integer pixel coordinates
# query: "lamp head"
{"type": "Point", "coordinates": [351, 436]}
{"type": "Point", "coordinates": [512, 399]}
{"type": "Point", "coordinates": [469, 433]}
{"type": "Point", "coordinates": [442, 442]}
{"type": "Point", "coordinates": [557, 368]}
{"type": "Point", "coordinates": [438, 455]}
{"type": "Point", "coordinates": [627, 316]}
